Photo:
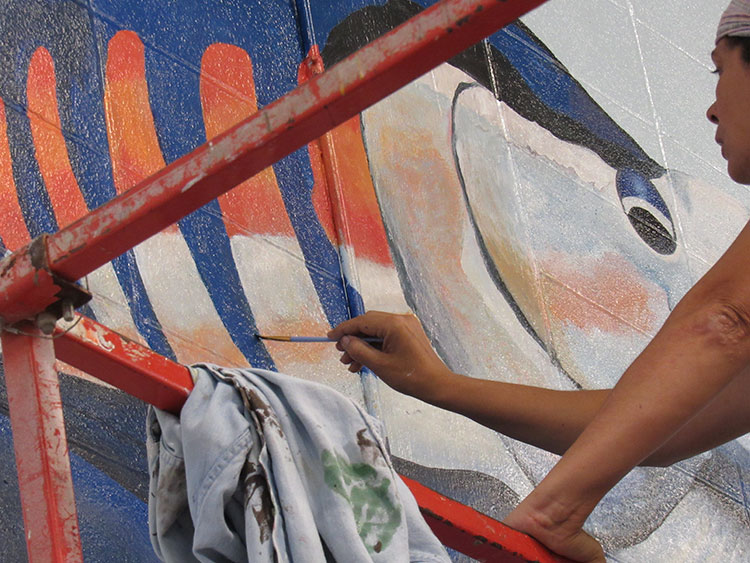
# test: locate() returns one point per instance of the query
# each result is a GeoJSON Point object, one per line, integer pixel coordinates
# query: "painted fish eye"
{"type": "Point", "coordinates": [646, 211]}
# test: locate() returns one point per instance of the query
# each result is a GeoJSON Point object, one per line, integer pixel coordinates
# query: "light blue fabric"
{"type": "Point", "coordinates": [261, 467]}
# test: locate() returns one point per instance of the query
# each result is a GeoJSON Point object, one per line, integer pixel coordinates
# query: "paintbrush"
{"type": "Point", "coordinates": [287, 338]}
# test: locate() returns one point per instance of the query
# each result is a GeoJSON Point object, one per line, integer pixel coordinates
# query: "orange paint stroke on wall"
{"type": "Point", "coordinates": [343, 194]}
{"type": "Point", "coordinates": [321, 196]}
{"type": "Point", "coordinates": [49, 143]}
{"type": "Point", "coordinates": [133, 144]}
{"type": "Point", "coordinates": [228, 96]}
{"type": "Point", "coordinates": [12, 228]}
{"type": "Point", "coordinates": [321, 199]}
{"type": "Point", "coordinates": [356, 203]}
{"type": "Point", "coordinates": [617, 295]}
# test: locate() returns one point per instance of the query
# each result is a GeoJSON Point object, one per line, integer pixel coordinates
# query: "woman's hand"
{"type": "Point", "coordinates": [557, 529]}
{"type": "Point", "coordinates": [405, 360]}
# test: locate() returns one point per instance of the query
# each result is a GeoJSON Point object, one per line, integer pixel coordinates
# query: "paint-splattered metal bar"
{"type": "Point", "coordinates": [41, 448]}
{"type": "Point", "coordinates": [119, 361]}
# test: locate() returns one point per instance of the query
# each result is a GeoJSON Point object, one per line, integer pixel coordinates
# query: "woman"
{"type": "Point", "coordinates": [688, 391]}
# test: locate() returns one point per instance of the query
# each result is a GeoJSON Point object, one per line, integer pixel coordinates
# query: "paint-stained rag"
{"type": "Point", "coordinates": [262, 467]}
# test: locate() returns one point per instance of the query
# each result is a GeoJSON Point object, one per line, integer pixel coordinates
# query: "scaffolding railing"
{"type": "Point", "coordinates": [37, 282]}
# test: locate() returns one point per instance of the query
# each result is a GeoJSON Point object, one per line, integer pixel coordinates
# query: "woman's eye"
{"type": "Point", "coordinates": [646, 211]}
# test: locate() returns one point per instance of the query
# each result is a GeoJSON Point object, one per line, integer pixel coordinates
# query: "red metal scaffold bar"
{"type": "Point", "coordinates": [41, 448]}
{"type": "Point", "coordinates": [36, 277]}
{"type": "Point", "coordinates": [139, 371]}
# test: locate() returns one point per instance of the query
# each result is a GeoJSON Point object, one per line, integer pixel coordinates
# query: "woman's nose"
{"type": "Point", "coordinates": [711, 113]}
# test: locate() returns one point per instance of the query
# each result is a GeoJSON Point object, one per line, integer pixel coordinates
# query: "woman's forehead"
{"type": "Point", "coordinates": [721, 50]}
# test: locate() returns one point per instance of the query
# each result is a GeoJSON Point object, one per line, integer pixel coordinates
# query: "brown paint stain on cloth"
{"type": "Point", "coordinates": [256, 404]}
{"type": "Point", "coordinates": [257, 497]}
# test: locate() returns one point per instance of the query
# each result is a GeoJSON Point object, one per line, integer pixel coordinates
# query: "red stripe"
{"type": "Point", "coordinates": [51, 152]}
{"type": "Point", "coordinates": [12, 228]}
{"type": "Point", "coordinates": [228, 96]}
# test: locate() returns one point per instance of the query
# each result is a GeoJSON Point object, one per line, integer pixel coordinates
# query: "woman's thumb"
{"type": "Point", "coordinates": [360, 351]}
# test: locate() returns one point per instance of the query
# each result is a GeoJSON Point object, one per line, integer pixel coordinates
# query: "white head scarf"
{"type": "Point", "coordinates": [735, 21]}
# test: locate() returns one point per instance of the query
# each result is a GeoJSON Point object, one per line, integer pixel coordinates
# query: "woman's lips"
{"type": "Point", "coordinates": [720, 142]}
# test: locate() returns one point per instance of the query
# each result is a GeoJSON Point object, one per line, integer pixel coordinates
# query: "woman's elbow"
{"type": "Point", "coordinates": [725, 324]}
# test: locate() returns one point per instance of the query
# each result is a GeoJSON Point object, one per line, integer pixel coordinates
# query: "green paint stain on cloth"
{"type": "Point", "coordinates": [371, 496]}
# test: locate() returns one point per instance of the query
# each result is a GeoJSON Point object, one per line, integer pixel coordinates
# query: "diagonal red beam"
{"type": "Point", "coordinates": [327, 100]}
{"type": "Point", "coordinates": [462, 528]}
{"type": "Point", "coordinates": [139, 371]}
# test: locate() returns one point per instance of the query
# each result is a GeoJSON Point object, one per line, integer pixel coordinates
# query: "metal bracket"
{"type": "Point", "coordinates": [70, 297]}
{"type": "Point", "coordinates": [30, 290]}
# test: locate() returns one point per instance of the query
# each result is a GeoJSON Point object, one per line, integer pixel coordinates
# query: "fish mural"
{"type": "Point", "coordinates": [533, 235]}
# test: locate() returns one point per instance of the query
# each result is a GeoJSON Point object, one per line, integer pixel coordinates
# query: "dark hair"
{"type": "Point", "coordinates": [741, 42]}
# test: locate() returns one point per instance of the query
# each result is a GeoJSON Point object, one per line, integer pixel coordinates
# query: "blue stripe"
{"type": "Point", "coordinates": [32, 194]}
{"type": "Point", "coordinates": [207, 239]}
{"type": "Point", "coordinates": [33, 198]}
{"type": "Point", "coordinates": [306, 25]}
{"type": "Point", "coordinates": [179, 127]}
{"type": "Point", "coordinates": [295, 180]}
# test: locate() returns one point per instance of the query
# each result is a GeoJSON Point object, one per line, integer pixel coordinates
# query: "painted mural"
{"type": "Point", "coordinates": [537, 218]}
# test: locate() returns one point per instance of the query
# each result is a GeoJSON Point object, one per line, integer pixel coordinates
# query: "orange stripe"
{"type": "Point", "coordinates": [343, 193]}
{"type": "Point", "coordinates": [12, 227]}
{"type": "Point", "coordinates": [321, 198]}
{"type": "Point", "coordinates": [46, 130]}
{"type": "Point", "coordinates": [133, 144]}
{"type": "Point", "coordinates": [358, 204]}
{"type": "Point", "coordinates": [228, 96]}
{"type": "Point", "coordinates": [321, 195]}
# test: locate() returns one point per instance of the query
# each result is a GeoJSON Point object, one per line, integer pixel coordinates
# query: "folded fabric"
{"type": "Point", "coordinates": [261, 467]}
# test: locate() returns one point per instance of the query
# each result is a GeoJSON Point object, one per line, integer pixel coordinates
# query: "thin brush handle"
{"type": "Point", "coordinates": [370, 339]}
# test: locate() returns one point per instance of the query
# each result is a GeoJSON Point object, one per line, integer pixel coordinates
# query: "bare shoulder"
{"type": "Point", "coordinates": [729, 278]}
{"type": "Point", "coordinates": [738, 251]}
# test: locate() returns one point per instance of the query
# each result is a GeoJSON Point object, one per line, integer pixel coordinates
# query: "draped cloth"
{"type": "Point", "coordinates": [264, 467]}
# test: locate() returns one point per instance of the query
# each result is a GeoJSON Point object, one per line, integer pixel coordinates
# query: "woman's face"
{"type": "Point", "coordinates": [731, 110]}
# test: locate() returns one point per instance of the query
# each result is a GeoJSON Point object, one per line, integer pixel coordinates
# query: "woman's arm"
{"type": "Point", "coordinates": [702, 350]}
{"type": "Point", "coordinates": [407, 362]}
{"type": "Point", "coordinates": [546, 418]}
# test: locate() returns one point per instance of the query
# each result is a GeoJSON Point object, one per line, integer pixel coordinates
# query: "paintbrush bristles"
{"type": "Point", "coordinates": [274, 337]}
